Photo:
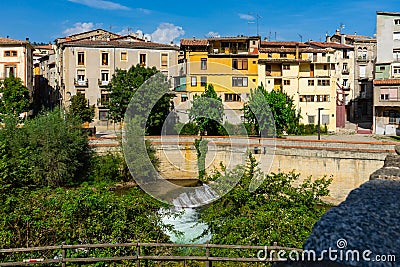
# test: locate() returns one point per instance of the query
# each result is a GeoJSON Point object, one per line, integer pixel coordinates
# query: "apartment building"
{"type": "Point", "coordinates": [16, 59]}
{"type": "Point", "coordinates": [304, 73]}
{"type": "Point", "coordinates": [86, 62]}
{"type": "Point", "coordinates": [361, 104]}
{"type": "Point", "coordinates": [230, 64]}
{"type": "Point", "coordinates": [387, 74]}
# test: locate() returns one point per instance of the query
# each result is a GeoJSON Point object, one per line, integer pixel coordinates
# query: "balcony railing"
{"type": "Point", "coordinates": [103, 83]}
{"type": "Point", "coordinates": [362, 58]}
{"type": "Point", "coordinates": [80, 83]}
{"type": "Point", "coordinates": [345, 71]}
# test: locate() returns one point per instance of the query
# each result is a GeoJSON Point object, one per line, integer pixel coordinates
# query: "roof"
{"type": "Point", "coordinates": [194, 42]}
{"type": "Point", "coordinates": [11, 41]}
{"type": "Point", "coordinates": [387, 82]}
{"type": "Point", "coordinates": [293, 50]}
{"type": "Point", "coordinates": [121, 44]}
{"type": "Point", "coordinates": [331, 45]}
{"type": "Point", "coordinates": [49, 47]}
{"type": "Point", "coordinates": [284, 44]}
{"type": "Point", "coordinates": [388, 13]}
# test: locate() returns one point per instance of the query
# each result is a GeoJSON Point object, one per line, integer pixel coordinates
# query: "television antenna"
{"type": "Point", "coordinates": [257, 18]}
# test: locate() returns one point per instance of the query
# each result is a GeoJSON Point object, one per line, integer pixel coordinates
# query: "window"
{"type": "Point", "coordinates": [184, 98]}
{"type": "Point", "coordinates": [194, 81]}
{"type": "Point", "coordinates": [80, 75]}
{"type": "Point", "coordinates": [104, 59]}
{"type": "Point", "coordinates": [142, 59]}
{"type": "Point", "coordinates": [396, 54]}
{"type": "Point", "coordinates": [124, 56]}
{"type": "Point", "coordinates": [239, 81]}
{"type": "Point", "coordinates": [396, 36]}
{"type": "Point", "coordinates": [345, 53]}
{"type": "Point", "coordinates": [286, 82]}
{"type": "Point", "coordinates": [283, 55]}
{"type": "Point", "coordinates": [345, 83]}
{"type": "Point", "coordinates": [396, 70]}
{"type": "Point", "coordinates": [325, 119]}
{"type": "Point", "coordinates": [239, 64]}
{"type": "Point", "coordinates": [104, 77]}
{"type": "Point", "coordinates": [382, 68]}
{"type": "Point", "coordinates": [286, 67]}
{"type": "Point", "coordinates": [397, 22]}
{"type": "Point", "coordinates": [310, 82]}
{"type": "Point", "coordinates": [203, 65]}
{"type": "Point", "coordinates": [325, 67]}
{"type": "Point", "coordinates": [164, 60]}
{"type": "Point", "coordinates": [103, 115]}
{"type": "Point", "coordinates": [307, 98]}
{"type": "Point", "coordinates": [81, 58]}
{"type": "Point", "coordinates": [232, 98]}
{"type": "Point", "coordinates": [324, 82]}
{"type": "Point", "coordinates": [104, 97]}
{"type": "Point", "coordinates": [363, 71]}
{"type": "Point", "coordinates": [322, 98]}
{"type": "Point", "coordinates": [394, 117]}
{"type": "Point", "coordinates": [10, 53]}
{"type": "Point", "coordinates": [311, 119]}
{"type": "Point", "coordinates": [203, 80]}
{"type": "Point", "coordinates": [11, 71]}
{"type": "Point", "coordinates": [345, 67]}
{"type": "Point", "coordinates": [270, 55]}
{"type": "Point", "coordinates": [388, 94]}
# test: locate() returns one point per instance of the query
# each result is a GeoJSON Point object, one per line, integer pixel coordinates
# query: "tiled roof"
{"type": "Point", "coordinates": [330, 45]}
{"type": "Point", "coordinates": [284, 44]}
{"type": "Point", "coordinates": [387, 82]}
{"type": "Point", "coordinates": [11, 41]}
{"type": "Point", "coordinates": [49, 47]}
{"type": "Point", "coordinates": [122, 44]}
{"type": "Point", "coordinates": [194, 42]}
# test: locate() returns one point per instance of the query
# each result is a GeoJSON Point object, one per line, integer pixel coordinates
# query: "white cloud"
{"type": "Point", "coordinates": [246, 17]}
{"type": "Point", "coordinates": [166, 33]}
{"type": "Point", "coordinates": [212, 34]}
{"type": "Point", "coordinates": [144, 11]}
{"type": "Point", "coordinates": [101, 4]}
{"type": "Point", "coordinates": [79, 27]}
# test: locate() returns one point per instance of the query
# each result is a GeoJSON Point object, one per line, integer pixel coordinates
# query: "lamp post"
{"type": "Point", "coordinates": [319, 123]}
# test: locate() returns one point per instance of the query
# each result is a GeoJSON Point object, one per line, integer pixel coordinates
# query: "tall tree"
{"type": "Point", "coordinates": [207, 111]}
{"type": "Point", "coordinates": [124, 85]}
{"type": "Point", "coordinates": [14, 97]}
{"type": "Point", "coordinates": [281, 107]}
{"type": "Point", "coordinates": [80, 108]}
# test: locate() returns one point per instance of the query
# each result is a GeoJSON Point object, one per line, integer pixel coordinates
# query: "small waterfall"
{"type": "Point", "coordinates": [200, 196]}
{"type": "Point", "coordinates": [184, 215]}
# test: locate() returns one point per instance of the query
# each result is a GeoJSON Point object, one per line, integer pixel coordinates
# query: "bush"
{"type": "Point", "coordinates": [189, 128]}
{"type": "Point", "coordinates": [49, 150]}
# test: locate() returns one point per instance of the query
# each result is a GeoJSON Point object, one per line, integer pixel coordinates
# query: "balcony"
{"type": "Point", "coordinates": [362, 58]}
{"type": "Point", "coordinates": [81, 83]}
{"type": "Point", "coordinates": [345, 72]}
{"type": "Point", "coordinates": [103, 83]}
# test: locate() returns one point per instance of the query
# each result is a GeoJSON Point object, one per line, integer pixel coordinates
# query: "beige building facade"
{"type": "Point", "coordinates": [87, 63]}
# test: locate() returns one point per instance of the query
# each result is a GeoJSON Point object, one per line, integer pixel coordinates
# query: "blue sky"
{"type": "Point", "coordinates": [281, 20]}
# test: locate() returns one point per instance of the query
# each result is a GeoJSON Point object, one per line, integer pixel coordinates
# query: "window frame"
{"type": "Point", "coordinates": [240, 82]}
{"type": "Point", "coordinates": [193, 81]}
{"type": "Point", "coordinates": [203, 63]}
{"type": "Point", "coordinates": [81, 55]}
{"type": "Point", "coordinates": [230, 97]}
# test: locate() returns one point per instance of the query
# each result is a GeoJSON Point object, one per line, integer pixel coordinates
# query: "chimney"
{"type": "Point", "coordinates": [327, 39]}
{"type": "Point", "coordinates": [27, 39]}
{"type": "Point", "coordinates": [343, 39]}
{"type": "Point", "coordinates": [337, 32]}
{"type": "Point", "coordinates": [297, 51]}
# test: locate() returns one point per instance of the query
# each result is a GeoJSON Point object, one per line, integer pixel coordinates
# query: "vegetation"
{"type": "Point", "coordinates": [14, 97]}
{"type": "Point", "coordinates": [80, 108]}
{"type": "Point", "coordinates": [277, 211]}
{"type": "Point", "coordinates": [281, 106]}
{"type": "Point", "coordinates": [124, 85]}
{"type": "Point", "coordinates": [207, 111]}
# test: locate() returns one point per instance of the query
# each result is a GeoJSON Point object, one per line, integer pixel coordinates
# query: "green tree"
{"type": "Point", "coordinates": [80, 108]}
{"type": "Point", "coordinates": [281, 106]}
{"type": "Point", "coordinates": [14, 96]}
{"type": "Point", "coordinates": [277, 211]}
{"type": "Point", "coordinates": [124, 85]}
{"type": "Point", "coordinates": [207, 111]}
{"type": "Point", "coordinates": [48, 151]}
